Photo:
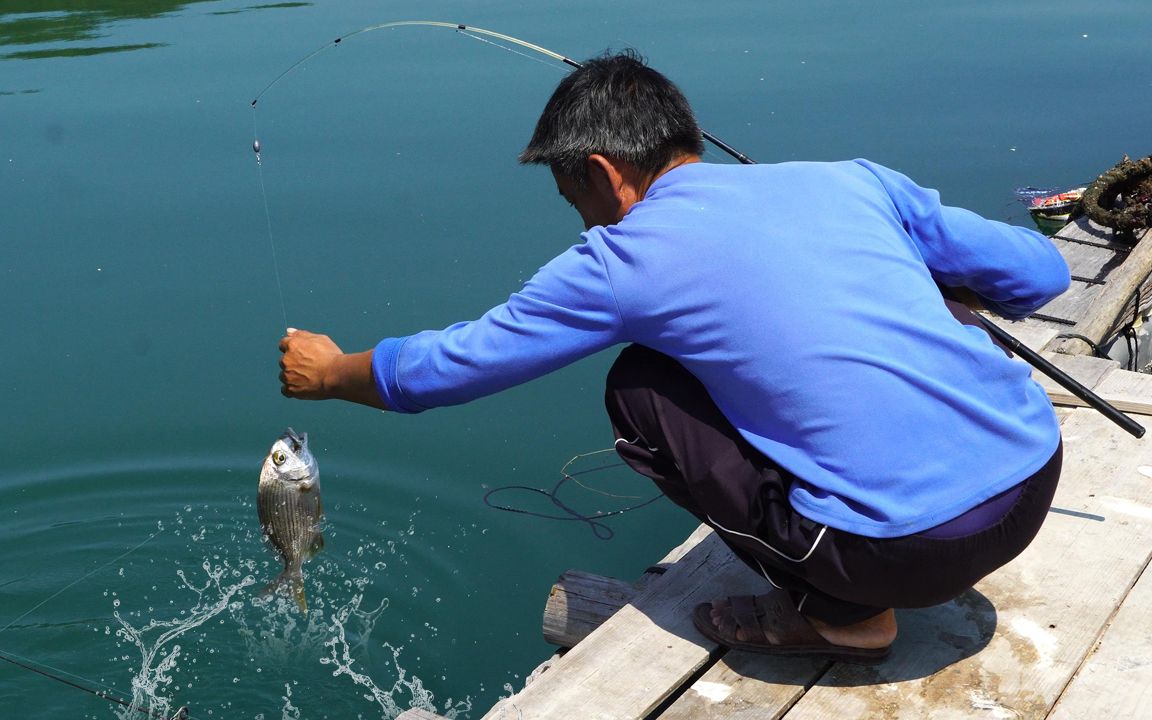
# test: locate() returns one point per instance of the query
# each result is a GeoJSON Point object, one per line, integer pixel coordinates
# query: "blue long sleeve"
{"type": "Point", "coordinates": [804, 297]}
{"type": "Point", "coordinates": [1014, 269]}
{"type": "Point", "coordinates": [565, 312]}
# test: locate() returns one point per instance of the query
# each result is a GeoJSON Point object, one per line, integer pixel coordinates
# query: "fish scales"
{"type": "Point", "coordinates": [290, 510]}
{"type": "Point", "coordinates": [288, 515]}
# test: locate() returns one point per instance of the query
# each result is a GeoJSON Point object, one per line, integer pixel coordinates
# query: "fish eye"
{"type": "Point", "coordinates": [279, 457]}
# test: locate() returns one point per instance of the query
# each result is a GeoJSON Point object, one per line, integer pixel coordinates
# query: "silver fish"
{"type": "Point", "coordinates": [288, 502]}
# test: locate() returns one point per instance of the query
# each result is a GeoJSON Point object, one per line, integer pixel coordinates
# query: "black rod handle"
{"type": "Point", "coordinates": [1062, 378]}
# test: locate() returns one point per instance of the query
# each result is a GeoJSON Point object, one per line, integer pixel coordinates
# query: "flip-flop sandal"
{"type": "Point", "coordinates": [775, 627]}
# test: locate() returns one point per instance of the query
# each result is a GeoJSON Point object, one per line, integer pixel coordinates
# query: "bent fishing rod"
{"type": "Point", "coordinates": [1030, 356]}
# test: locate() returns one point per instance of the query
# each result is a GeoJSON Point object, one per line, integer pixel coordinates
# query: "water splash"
{"type": "Point", "coordinates": [225, 641]}
{"type": "Point", "coordinates": [340, 657]}
{"type": "Point", "coordinates": [155, 641]}
{"type": "Point", "coordinates": [290, 711]}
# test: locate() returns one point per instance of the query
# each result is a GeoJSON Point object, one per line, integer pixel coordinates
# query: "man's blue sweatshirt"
{"type": "Point", "coordinates": [804, 297]}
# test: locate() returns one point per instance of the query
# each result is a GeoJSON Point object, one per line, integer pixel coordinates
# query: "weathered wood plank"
{"type": "Point", "coordinates": [418, 714]}
{"type": "Point", "coordinates": [1033, 334]}
{"type": "Point", "coordinates": [1084, 231]}
{"type": "Point", "coordinates": [1128, 387]}
{"type": "Point", "coordinates": [1059, 396]}
{"type": "Point", "coordinates": [628, 666]}
{"type": "Point", "coordinates": [1128, 392]}
{"type": "Point", "coordinates": [1091, 262]}
{"type": "Point", "coordinates": [746, 686]}
{"type": "Point", "coordinates": [1117, 677]}
{"type": "Point", "coordinates": [579, 603]}
{"type": "Point", "coordinates": [1072, 305]}
{"type": "Point", "coordinates": [1103, 312]}
{"type": "Point", "coordinates": [1088, 370]}
{"type": "Point", "coordinates": [1047, 607]}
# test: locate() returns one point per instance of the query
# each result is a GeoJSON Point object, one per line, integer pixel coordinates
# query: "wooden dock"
{"type": "Point", "coordinates": [1062, 632]}
{"type": "Point", "coordinates": [1111, 286]}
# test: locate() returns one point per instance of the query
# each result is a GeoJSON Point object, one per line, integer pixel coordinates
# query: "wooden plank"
{"type": "Point", "coordinates": [695, 538]}
{"type": "Point", "coordinates": [632, 662]}
{"type": "Point", "coordinates": [1060, 396]}
{"type": "Point", "coordinates": [1116, 681]}
{"type": "Point", "coordinates": [1084, 231]}
{"type": "Point", "coordinates": [1088, 370]}
{"type": "Point", "coordinates": [1033, 334]}
{"type": "Point", "coordinates": [418, 714]}
{"type": "Point", "coordinates": [1042, 612]}
{"type": "Point", "coordinates": [746, 686]}
{"type": "Point", "coordinates": [1101, 315]}
{"type": "Point", "coordinates": [579, 603]}
{"type": "Point", "coordinates": [1128, 392]}
{"type": "Point", "coordinates": [1073, 305]}
{"type": "Point", "coordinates": [1127, 387]}
{"type": "Point", "coordinates": [1091, 262]}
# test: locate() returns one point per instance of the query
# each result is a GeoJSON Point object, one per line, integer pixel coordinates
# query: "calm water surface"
{"type": "Point", "coordinates": [141, 307]}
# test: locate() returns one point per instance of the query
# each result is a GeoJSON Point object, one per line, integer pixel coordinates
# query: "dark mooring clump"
{"type": "Point", "coordinates": [1121, 198]}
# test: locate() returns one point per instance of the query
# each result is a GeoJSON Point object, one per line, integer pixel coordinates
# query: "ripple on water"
{"type": "Point", "coordinates": [152, 590]}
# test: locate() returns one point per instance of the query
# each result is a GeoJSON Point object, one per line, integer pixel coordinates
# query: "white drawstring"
{"type": "Point", "coordinates": [789, 558]}
{"type": "Point", "coordinates": [632, 442]}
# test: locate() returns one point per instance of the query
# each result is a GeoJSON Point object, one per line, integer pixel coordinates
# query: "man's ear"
{"type": "Point", "coordinates": [604, 175]}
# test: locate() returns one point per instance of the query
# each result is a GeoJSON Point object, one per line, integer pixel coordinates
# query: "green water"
{"type": "Point", "coordinates": [141, 309]}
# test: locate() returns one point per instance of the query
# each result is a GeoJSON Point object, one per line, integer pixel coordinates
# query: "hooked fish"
{"type": "Point", "coordinates": [288, 502]}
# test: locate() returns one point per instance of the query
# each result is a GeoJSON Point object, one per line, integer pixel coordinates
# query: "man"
{"type": "Point", "coordinates": [796, 378]}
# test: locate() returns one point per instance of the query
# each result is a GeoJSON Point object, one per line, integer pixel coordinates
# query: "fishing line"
{"type": "Point", "coordinates": [599, 529]}
{"type": "Point", "coordinates": [268, 220]}
{"type": "Point", "coordinates": [511, 50]}
{"type": "Point", "coordinates": [483, 35]}
{"type": "Point", "coordinates": [181, 714]}
{"type": "Point", "coordinates": [87, 575]}
{"type": "Point", "coordinates": [103, 694]}
{"type": "Point", "coordinates": [476, 33]}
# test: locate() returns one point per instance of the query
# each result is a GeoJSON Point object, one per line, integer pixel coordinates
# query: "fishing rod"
{"type": "Point", "coordinates": [476, 33]}
{"type": "Point", "coordinates": [1031, 357]}
{"type": "Point", "coordinates": [1061, 378]}
{"type": "Point", "coordinates": [181, 714]}
{"type": "Point", "coordinates": [23, 662]}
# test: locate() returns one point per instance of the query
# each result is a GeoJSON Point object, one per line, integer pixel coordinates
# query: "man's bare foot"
{"type": "Point", "coordinates": [878, 631]}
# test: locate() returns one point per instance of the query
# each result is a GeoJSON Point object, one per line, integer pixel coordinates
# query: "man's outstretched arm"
{"type": "Point", "coordinates": [313, 367]}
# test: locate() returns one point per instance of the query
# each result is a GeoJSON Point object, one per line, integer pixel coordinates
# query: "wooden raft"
{"type": "Point", "coordinates": [1061, 632]}
{"type": "Point", "coordinates": [1111, 283]}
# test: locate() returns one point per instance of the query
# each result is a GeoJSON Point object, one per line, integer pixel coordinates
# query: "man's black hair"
{"type": "Point", "coordinates": [614, 105]}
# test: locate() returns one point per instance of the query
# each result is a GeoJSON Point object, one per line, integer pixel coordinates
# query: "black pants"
{"type": "Point", "coordinates": [669, 430]}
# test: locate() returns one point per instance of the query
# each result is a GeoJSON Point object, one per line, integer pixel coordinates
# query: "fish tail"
{"type": "Point", "coordinates": [290, 582]}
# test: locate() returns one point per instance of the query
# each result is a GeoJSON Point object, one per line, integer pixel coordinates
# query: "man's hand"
{"type": "Point", "coordinates": [313, 367]}
{"type": "Point", "coordinates": [965, 296]}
